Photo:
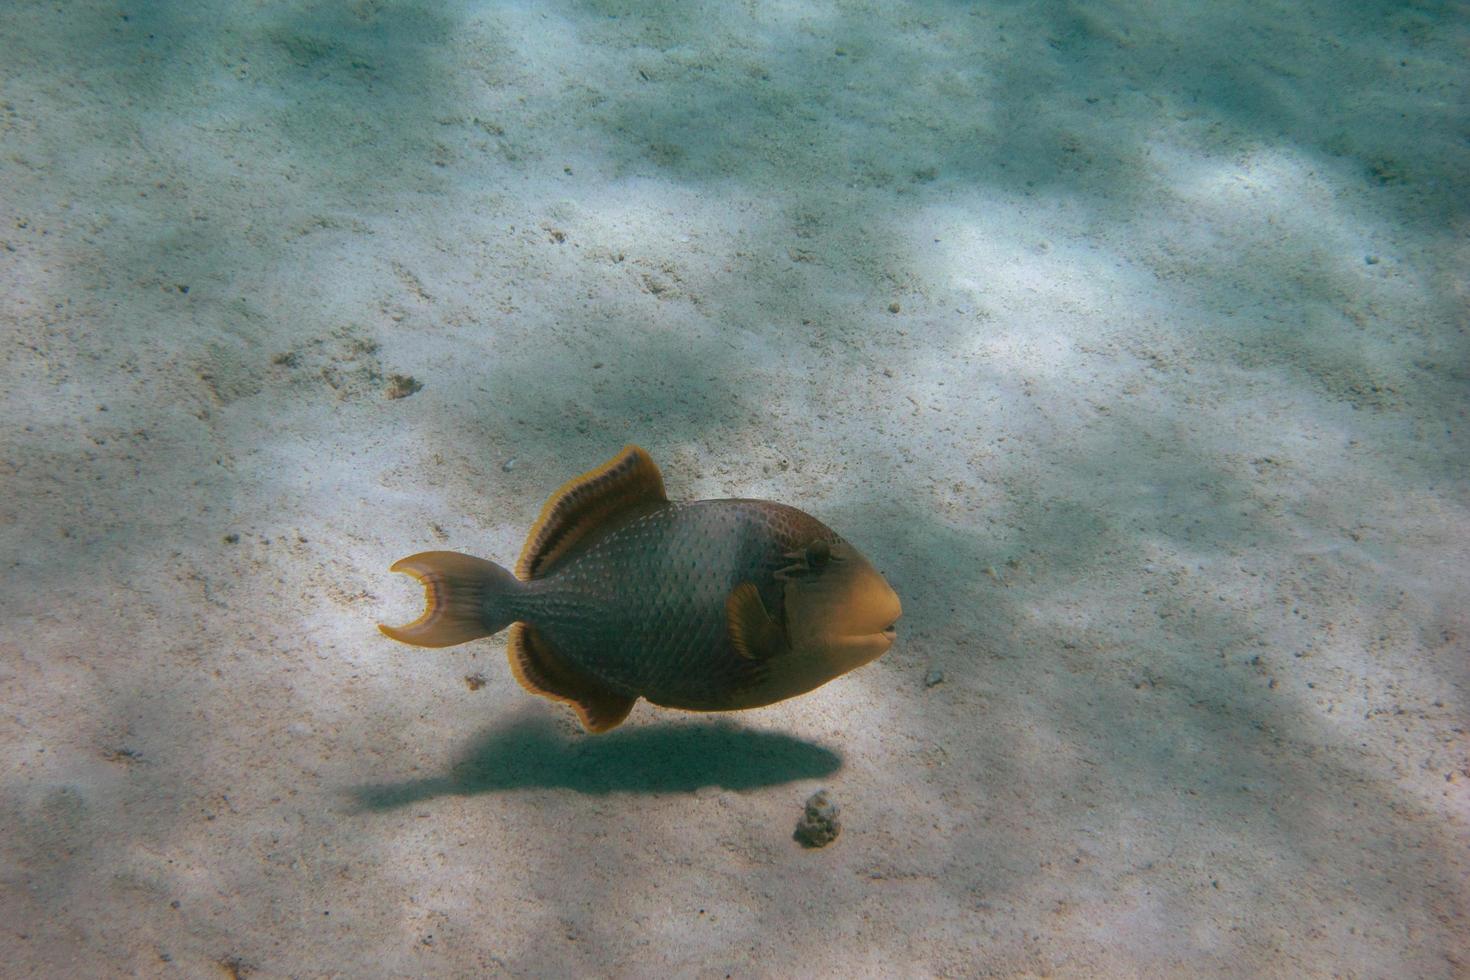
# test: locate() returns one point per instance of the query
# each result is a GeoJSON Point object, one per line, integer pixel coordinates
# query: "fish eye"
{"type": "Point", "coordinates": [818, 553]}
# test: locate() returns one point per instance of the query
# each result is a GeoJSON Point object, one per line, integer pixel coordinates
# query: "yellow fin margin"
{"type": "Point", "coordinates": [753, 633]}
{"type": "Point", "coordinates": [539, 670]}
{"type": "Point", "coordinates": [626, 483]}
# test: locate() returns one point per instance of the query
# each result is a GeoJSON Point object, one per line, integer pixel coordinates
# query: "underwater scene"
{"type": "Point", "coordinates": [777, 488]}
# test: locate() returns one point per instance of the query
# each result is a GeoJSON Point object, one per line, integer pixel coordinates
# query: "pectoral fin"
{"type": "Point", "coordinates": [755, 635]}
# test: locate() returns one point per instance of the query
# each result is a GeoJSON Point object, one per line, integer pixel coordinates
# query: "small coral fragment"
{"type": "Point", "coordinates": [818, 826]}
{"type": "Point", "coordinates": [402, 385]}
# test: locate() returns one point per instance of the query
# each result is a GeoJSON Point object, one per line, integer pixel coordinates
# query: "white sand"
{"type": "Point", "coordinates": [1164, 448]}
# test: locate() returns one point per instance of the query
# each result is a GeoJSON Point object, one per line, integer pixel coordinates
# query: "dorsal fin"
{"type": "Point", "coordinates": [624, 484]}
{"type": "Point", "coordinates": [540, 670]}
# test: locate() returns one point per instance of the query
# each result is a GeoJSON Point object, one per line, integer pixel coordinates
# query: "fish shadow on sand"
{"type": "Point", "coordinates": [532, 752]}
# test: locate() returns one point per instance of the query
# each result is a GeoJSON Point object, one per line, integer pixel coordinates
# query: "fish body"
{"type": "Point", "coordinates": [709, 605]}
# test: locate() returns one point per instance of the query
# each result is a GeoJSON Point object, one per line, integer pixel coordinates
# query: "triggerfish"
{"type": "Point", "coordinates": [705, 605]}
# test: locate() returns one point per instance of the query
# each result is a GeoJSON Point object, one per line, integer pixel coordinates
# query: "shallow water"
{"type": "Point", "coordinates": [1127, 340]}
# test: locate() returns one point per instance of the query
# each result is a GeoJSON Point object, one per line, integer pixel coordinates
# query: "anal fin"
{"type": "Point", "coordinates": [542, 671]}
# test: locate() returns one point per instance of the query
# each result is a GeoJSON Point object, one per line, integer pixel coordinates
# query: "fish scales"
{"type": "Point", "coordinates": [643, 608]}
{"type": "Point", "coordinates": [620, 594]}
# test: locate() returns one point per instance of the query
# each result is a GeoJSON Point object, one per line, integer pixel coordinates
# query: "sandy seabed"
{"type": "Point", "coordinates": [1128, 339]}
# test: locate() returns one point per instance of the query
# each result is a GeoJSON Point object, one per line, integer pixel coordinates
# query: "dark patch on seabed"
{"type": "Point", "coordinates": [533, 753]}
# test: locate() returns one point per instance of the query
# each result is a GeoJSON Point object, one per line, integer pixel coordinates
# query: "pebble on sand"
{"type": "Point", "coordinates": [818, 825]}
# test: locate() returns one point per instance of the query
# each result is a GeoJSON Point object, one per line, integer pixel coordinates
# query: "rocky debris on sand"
{"type": "Point", "coordinates": [818, 826]}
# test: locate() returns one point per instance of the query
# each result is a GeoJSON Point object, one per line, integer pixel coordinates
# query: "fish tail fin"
{"type": "Point", "coordinates": [465, 598]}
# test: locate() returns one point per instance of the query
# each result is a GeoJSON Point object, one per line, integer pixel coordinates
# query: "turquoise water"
{"type": "Point", "coordinates": [1128, 341]}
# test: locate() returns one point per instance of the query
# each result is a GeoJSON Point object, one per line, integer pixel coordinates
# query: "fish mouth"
{"type": "Point", "coordinates": [889, 632]}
